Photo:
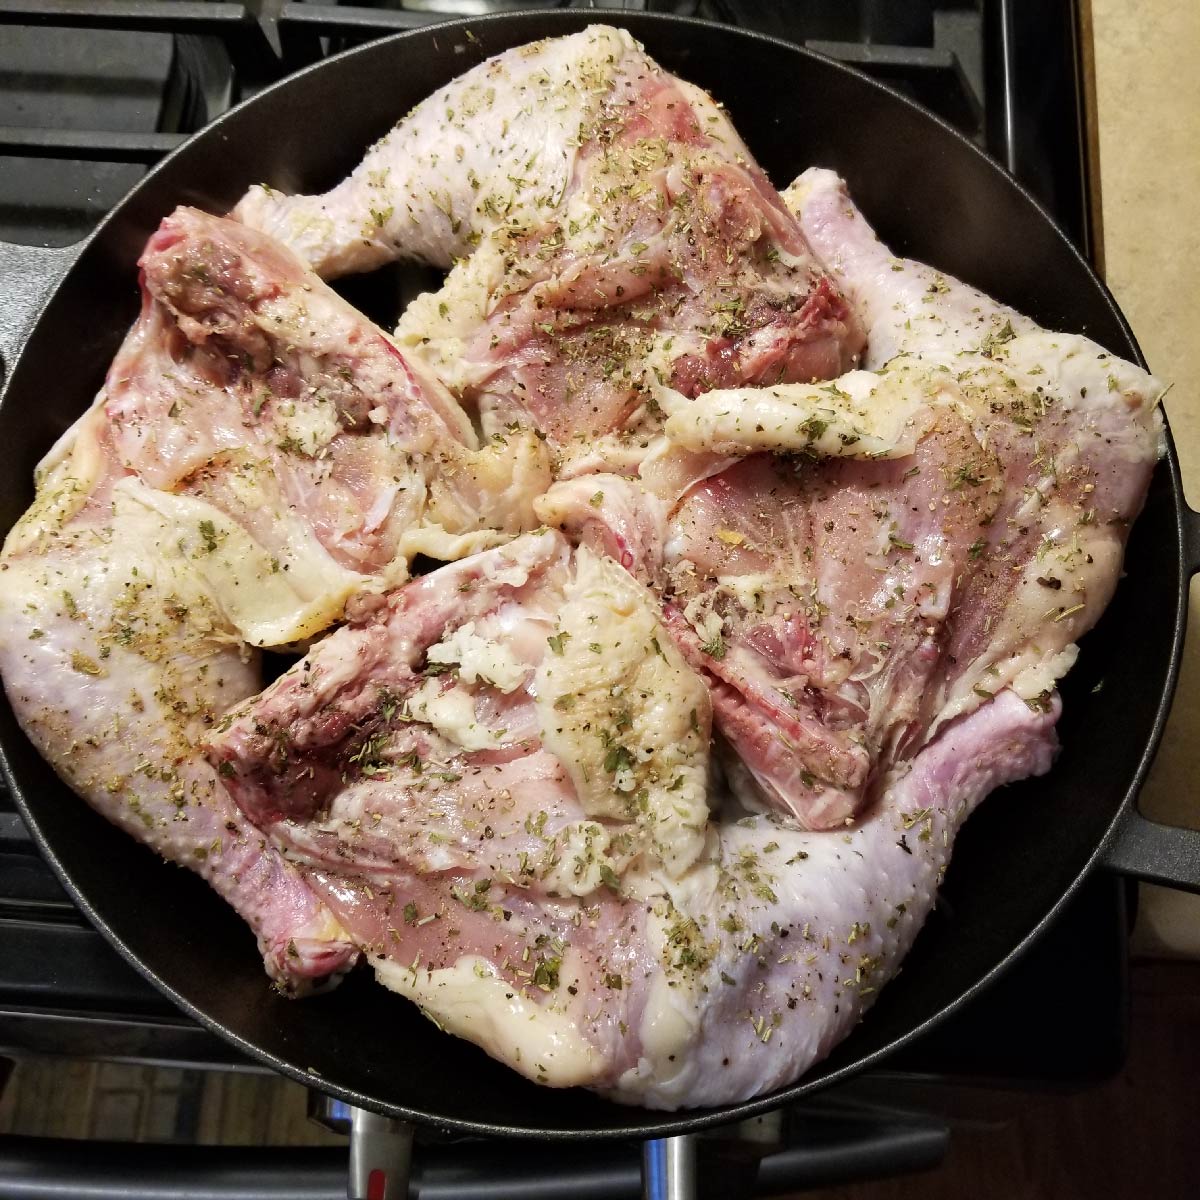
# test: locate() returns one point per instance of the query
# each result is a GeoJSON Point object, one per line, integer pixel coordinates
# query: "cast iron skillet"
{"type": "Point", "coordinates": [931, 195]}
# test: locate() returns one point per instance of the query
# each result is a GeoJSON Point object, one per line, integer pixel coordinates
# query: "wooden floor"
{"type": "Point", "coordinates": [1137, 1136]}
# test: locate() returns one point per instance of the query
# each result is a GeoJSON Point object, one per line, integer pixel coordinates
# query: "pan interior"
{"type": "Point", "coordinates": [931, 196]}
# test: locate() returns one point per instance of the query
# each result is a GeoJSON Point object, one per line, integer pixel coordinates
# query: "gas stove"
{"type": "Point", "coordinates": [91, 94]}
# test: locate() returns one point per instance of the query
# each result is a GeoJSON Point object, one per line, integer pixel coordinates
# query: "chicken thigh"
{"type": "Point", "coordinates": [117, 656]}
{"type": "Point", "coordinates": [610, 229]}
{"type": "Point", "coordinates": [925, 535]}
{"type": "Point", "coordinates": [882, 608]}
{"type": "Point", "coordinates": [259, 453]}
{"type": "Point", "coordinates": [497, 778]}
{"type": "Point", "coordinates": [253, 387]}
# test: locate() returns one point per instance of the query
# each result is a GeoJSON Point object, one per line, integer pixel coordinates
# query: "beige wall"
{"type": "Point", "coordinates": [1147, 108]}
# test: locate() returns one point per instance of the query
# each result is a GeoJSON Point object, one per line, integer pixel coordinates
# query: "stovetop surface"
{"type": "Point", "coordinates": [83, 112]}
{"type": "Point", "coordinates": [1006, 74]}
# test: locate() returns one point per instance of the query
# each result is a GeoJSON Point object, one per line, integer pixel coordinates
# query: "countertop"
{"type": "Point", "coordinates": [1145, 124]}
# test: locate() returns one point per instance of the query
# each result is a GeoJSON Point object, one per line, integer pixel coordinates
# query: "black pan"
{"type": "Point", "coordinates": [931, 195]}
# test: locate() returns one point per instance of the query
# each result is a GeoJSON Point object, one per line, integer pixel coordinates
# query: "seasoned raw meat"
{"type": "Point", "coordinates": [801, 930]}
{"type": "Point", "coordinates": [864, 571]}
{"type": "Point", "coordinates": [936, 530]}
{"type": "Point", "coordinates": [258, 454]}
{"type": "Point", "coordinates": [925, 535]}
{"type": "Point", "coordinates": [498, 779]}
{"type": "Point", "coordinates": [611, 230]}
{"type": "Point", "coordinates": [117, 657]}
{"type": "Point", "coordinates": [612, 514]}
{"type": "Point", "coordinates": [252, 386]}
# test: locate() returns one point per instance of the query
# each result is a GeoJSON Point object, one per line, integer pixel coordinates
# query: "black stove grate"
{"type": "Point", "coordinates": [1005, 72]}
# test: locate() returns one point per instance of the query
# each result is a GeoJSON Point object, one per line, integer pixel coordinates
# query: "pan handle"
{"type": "Point", "coordinates": [1146, 849]}
{"type": "Point", "coordinates": [1156, 853]}
{"type": "Point", "coordinates": [28, 274]}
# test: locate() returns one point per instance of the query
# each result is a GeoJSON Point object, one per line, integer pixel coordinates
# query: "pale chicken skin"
{"type": "Point", "coordinates": [610, 229]}
{"type": "Point", "coordinates": [769, 551]}
{"type": "Point", "coordinates": [927, 533]}
{"type": "Point", "coordinates": [258, 454]}
{"type": "Point", "coordinates": [498, 779]}
{"type": "Point", "coordinates": [117, 657]}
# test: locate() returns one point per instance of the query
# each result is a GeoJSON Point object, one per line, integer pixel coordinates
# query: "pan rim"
{"type": "Point", "coordinates": [653, 1123]}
